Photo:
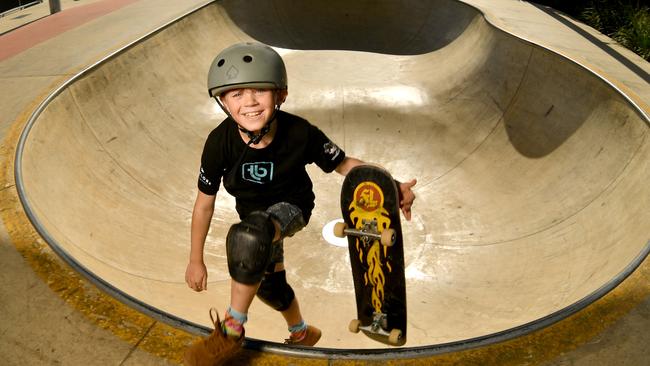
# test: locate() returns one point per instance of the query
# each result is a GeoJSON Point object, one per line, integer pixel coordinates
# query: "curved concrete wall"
{"type": "Point", "coordinates": [532, 171]}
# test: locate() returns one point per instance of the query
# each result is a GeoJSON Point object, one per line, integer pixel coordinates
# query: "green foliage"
{"type": "Point", "coordinates": [607, 15]}
{"type": "Point", "coordinates": [626, 21]}
{"type": "Point", "coordinates": [635, 35]}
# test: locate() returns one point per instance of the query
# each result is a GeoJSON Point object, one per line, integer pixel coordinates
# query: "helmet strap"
{"type": "Point", "coordinates": [255, 138]}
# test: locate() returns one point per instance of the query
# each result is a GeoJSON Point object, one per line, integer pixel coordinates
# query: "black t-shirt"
{"type": "Point", "coordinates": [259, 178]}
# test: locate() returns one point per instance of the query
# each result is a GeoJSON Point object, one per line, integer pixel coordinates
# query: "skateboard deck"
{"type": "Point", "coordinates": [370, 208]}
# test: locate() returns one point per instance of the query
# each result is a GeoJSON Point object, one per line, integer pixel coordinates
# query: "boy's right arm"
{"type": "Point", "coordinates": [196, 275]}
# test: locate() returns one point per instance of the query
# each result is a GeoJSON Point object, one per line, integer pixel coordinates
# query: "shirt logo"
{"type": "Point", "coordinates": [204, 179]}
{"type": "Point", "coordinates": [331, 150]}
{"type": "Point", "coordinates": [261, 172]}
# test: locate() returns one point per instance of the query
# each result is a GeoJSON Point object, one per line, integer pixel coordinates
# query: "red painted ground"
{"type": "Point", "coordinates": [23, 38]}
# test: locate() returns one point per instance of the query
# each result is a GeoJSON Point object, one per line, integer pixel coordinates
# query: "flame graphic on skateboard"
{"type": "Point", "coordinates": [369, 205]}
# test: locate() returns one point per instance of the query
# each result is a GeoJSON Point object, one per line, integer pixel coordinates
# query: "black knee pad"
{"type": "Point", "coordinates": [275, 292]}
{"type": "Point", "coordinates": [248, 247]}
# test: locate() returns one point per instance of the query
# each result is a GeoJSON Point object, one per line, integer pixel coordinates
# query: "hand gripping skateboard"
{"type": "Point", "coordinates": [370, 208]}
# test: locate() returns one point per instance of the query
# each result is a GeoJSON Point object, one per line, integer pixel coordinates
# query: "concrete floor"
{"type": "Point", "coordinates": [59, 318]}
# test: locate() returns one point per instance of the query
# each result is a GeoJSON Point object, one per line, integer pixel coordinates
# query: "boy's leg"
{"type": "Point", "coordinates": [300, 332]}
{"type": "Point", "coordinates": [249, 246]}
{"type": "Point", "coordinates": [278, 294]}
{"type": "Point", "coordinates": [274, 290]}
{"type": "Point", "coordinates": [241, 297]}
{"type": "Point", "coordinates": [292, 315]}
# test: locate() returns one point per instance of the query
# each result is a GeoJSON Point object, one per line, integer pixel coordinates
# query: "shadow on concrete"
{"type": "Point", "coordinates": [401, 27]}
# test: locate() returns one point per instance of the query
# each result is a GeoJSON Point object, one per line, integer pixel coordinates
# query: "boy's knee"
{"type": "Point", "coordinates": [288, 217]}
{"type": "Point", "coordinates": [249, 247]}
{"type": "Point", "coordinates": [275, 292]}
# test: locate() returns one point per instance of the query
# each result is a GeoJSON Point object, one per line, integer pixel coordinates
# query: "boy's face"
{"type": "Point", "coordinates": [252, 108]}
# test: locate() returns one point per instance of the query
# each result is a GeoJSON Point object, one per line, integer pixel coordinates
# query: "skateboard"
{"type": "Point", "coordinates": [370, 208]}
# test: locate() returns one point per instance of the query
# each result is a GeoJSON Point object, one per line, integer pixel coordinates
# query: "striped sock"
{"type": "Point", "coordinates": [233, 324]}
{"type": "Point", "coordinates": [298, 331]}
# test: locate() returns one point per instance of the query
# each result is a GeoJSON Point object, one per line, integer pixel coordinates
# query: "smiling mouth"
{"type": "Point", "coordinates": [252, 114]}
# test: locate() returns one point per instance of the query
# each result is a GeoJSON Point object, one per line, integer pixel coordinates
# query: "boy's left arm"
{"type": "Point", "coordinates": [406, 195]}
{"type": "Point", "coordinates": [347, 164]}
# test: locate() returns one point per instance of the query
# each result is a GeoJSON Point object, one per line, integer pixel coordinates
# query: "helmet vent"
{"type": "Point", "coordinates": [248, 59]}
{"type": "Point", "coordinates": [221, 62]}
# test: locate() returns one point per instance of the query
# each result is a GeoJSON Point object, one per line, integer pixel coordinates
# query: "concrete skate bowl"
{"type": "Point", "coordinates": [532, 171]}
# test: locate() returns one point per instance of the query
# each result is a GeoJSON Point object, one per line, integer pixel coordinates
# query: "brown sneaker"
{"type": "Point", "coordinates": [214, 350]}
{"type": "Point", "coordinates": [310, 339]}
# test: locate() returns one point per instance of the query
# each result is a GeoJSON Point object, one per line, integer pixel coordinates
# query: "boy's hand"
{"type": "Point", "coordinates": [406, 197]}
{"type": "Point", "coordinates": [196, 276]}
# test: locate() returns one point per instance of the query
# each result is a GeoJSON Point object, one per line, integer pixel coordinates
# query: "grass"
{"type": "Point", "coordinates": [625, 21]}
{"type": "Point", "coordinates": [636, 34]}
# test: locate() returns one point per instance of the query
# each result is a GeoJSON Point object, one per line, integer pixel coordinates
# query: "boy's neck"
{"type": "Point", "coordinates": [266, 139]}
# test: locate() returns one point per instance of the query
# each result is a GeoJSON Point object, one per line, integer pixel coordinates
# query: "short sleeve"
{"type": "Point", "coordinates": [211, 170]}
{"type": "Point", "coordinates": [325, 153]}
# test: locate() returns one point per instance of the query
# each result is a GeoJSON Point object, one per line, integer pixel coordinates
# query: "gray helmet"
{"type": "Point", "coordinates": [246, 65]}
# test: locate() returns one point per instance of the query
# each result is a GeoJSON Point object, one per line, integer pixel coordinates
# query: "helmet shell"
{"type": "Point", "coordinates": [246, 65]}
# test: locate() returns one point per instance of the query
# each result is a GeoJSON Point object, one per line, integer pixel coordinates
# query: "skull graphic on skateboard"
{"type": "Point", "coordinates": [370, 208]}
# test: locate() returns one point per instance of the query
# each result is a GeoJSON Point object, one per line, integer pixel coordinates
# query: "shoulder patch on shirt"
{"type": "Point", "coordinates": [331, 150]}
{"type": "Point", "coordinates": [204, 179]}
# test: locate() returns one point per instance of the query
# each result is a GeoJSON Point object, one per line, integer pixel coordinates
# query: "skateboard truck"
{"type": "Point", "coordinates": [367, 232]}
{"type": "Point", "coordinates": [379, 323]}
{"type": "Point", "coordinates": [378, 326]}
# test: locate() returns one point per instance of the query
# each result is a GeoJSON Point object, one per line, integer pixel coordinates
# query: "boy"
{"type": "Point", "coordinates": [260, 154]}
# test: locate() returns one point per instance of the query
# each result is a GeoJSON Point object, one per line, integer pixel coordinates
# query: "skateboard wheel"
{"type": "Point", "coordinates": [339, 229]}
{"type": "Point", "coordinates": [388, 237]}
{"type": "Point", "coordinates": [394, 336]}
{"type": "Point", "coordinates": [354, 326]}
